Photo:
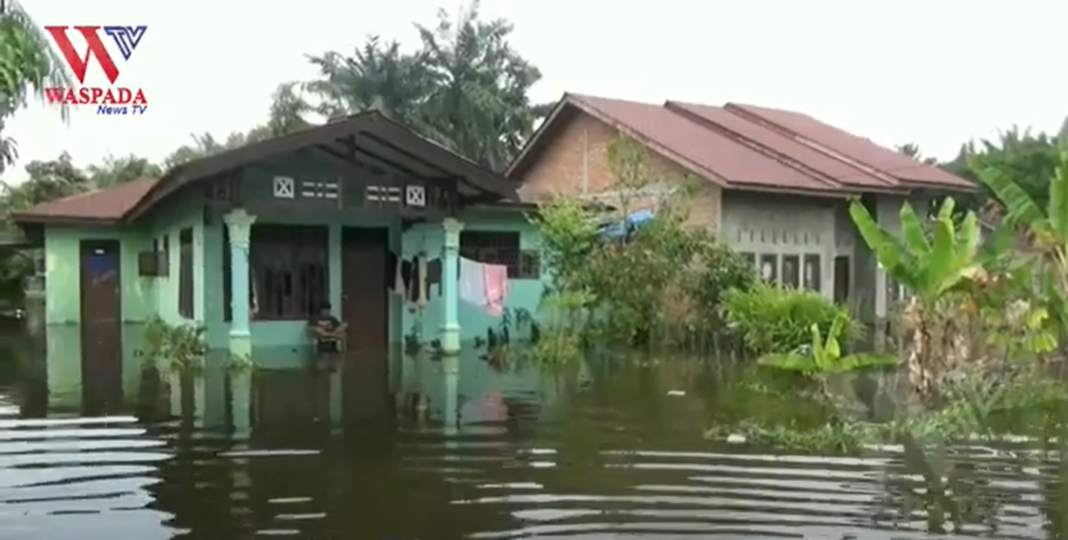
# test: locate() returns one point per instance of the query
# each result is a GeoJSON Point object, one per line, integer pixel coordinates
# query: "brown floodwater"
{"type": "Point", "coordinates": [611, 449]}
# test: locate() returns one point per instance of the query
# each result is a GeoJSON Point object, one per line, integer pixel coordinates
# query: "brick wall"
{"type": "Point", "coordinates": [575, 162]}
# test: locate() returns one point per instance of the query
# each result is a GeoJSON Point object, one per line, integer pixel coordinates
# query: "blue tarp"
{"type": "Point", "coordinates": [627, 224]}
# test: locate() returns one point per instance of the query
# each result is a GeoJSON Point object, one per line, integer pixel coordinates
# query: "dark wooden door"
{"type": "Point", "coordinates": [841, 279]}
{"type": "Point", "coordinates": [365, 307]}
{"type": "Point", "coordinates": [101, 316]}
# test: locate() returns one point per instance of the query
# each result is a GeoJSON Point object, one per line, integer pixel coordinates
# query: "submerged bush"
{"type": "Point", "coordinates": [773, 319]}
{"type": "Point", "coordinates": [658, 284]}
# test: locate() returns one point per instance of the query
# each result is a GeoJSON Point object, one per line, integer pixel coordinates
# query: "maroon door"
{"type": "Point", "coordinates": [365, 307]}
{"type": "Point", "coordinates": [101, 316]}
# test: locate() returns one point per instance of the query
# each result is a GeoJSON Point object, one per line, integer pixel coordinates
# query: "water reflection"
{"type": "Point", "coordinates": [471, 449]}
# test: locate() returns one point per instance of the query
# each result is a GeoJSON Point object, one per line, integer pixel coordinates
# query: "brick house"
{"type": "Point", "coordinates": [773, 183]}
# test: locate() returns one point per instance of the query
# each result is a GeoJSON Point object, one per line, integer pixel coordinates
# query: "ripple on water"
{"type": "Point", "coordinates": [613, 477]}
{"type": "Point", "coordinates": [78, 478]}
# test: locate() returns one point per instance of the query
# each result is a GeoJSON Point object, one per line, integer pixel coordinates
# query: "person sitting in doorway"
{"type": "Point", "coordinates": [329, 335]}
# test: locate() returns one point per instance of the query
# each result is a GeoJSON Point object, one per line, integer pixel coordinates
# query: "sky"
{"type": "Point", "coordinates": [933, 73]}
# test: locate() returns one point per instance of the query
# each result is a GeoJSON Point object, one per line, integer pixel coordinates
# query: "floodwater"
{"type": "Point", "coordinates": [609, 450]}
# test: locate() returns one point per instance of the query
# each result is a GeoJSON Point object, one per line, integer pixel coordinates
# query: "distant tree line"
{"type": "Point", "coordinates": [465, 86]}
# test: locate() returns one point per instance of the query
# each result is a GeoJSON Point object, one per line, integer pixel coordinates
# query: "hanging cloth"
{"type": "Point", "coordinates": [421, 268]}
{"type": "Point", "coordinates": [495, 279]}
{"type": "Point", "coordinates": [253, 297]}
{"type": "Point", "coordinates": [472, 282]}
{"type": "Point", "coordinates": [398, 279]}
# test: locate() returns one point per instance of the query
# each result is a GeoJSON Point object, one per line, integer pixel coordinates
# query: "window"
{"type": "Point", "coordinates": [769, 268]}
{"type": "Point", "coordinates": [185, 273]}
{"type": "Point", "coordinates": [812, 280]}
{"type": "Point", "coordinates": [289, 271]}
{"type": "Point", "coordinates": [791, 271]}
{"type": "Point", "coordinates": [500, 247]}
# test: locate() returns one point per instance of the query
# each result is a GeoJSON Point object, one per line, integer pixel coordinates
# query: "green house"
{"type": "Point", "coordinates": [251, 242]}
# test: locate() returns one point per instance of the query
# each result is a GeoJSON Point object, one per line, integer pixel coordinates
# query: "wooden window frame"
{"type": "Point", "coordinates": [186, 296]}
{"type": "Point", "coordinates": [294, 258]}
{"type": "Point", "coordinates": [503, 248]}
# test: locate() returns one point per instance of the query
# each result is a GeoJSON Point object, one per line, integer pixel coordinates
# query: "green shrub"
{"type": "Point", "coordinates": [776, 319]}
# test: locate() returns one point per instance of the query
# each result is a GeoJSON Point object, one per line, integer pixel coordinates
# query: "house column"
{"type": "Point", "coordinates": [450, 284]}
{"type": "Point", "coordinates": [239, 226]}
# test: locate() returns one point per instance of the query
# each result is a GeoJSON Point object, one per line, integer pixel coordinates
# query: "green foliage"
{"type": "Point", "coordinates": [772, 319]}
{"type": "Point", "coordinates": [1047, 228]}
{"type": "Point", "coordinates": [721, 270]}
{"type": "Point", "coordinates": [661, 282]}
{"type": "Point", "coordinates": [1030, 159]}
{"type": "Point", "coordinates": [929, 264]}
{"type": "Point", "coordinates": [27, 66]}
{"type": "Point", "coordinates": [560, 342]}
{"type": "Point", "coordinates": [465, 86]}
{"type": "Point", "coordinates": [180, 348]}
{"type": "Point", "coordinates": [824, 355]}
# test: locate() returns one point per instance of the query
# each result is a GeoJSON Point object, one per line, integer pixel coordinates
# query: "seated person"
{"type": "Point", "coordinates": [329, 333]}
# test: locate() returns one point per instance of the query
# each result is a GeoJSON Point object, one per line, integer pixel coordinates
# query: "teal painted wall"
{"type": "Point", "coordinates": [142, 297]}
{"type": "Point", "coordinates": [277, 343]}
{"type": "Point", "coordinates": [474, 321]}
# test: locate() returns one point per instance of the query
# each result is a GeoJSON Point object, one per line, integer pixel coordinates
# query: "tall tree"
{"type": "Point", "coordinates": [119, 170]}
{"type": "Point", "coordinates": [465, 86]}
{"type": "Point", "coordinates": [1028, 158]}
{"type": "Point", "coordinates": [285, 116]}
{"type": "Point", "coordinates": [47, 181]}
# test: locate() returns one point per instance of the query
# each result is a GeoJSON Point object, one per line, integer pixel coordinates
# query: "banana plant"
{"type": "Point", "coordinates": [824, 355]}
{"type": "Point", "coordinates": [931, 263]}
{"type": "Point", "coordinates": [1047, 229]}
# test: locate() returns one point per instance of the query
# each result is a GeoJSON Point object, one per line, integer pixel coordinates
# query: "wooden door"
{"type": "Point", "coordinates": [365, 307]}
{"type": "Point", "coordinates": [841, 279]}
{"type": "Point", "coordinates": [101, 321]}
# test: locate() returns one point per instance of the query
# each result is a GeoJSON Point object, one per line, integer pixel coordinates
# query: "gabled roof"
{"type": "Point", "coordinates": [749, 148]}
{"type": "Point", "coordinates": [107, 205]}
{"type": "Point", "coordinates": [376, 139]}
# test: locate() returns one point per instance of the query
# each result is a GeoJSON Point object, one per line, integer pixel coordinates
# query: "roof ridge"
{"type": "Point", "coordinates": [740, 110]}
{"type": "Point", "coordinates": [647, 140]}
{"type": "Point", "coordinates": [748, 142]}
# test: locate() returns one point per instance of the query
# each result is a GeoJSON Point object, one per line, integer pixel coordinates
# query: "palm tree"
{"type": "Point", "coordinates": [466, 87]}
{"type": "Point", "coordinates": [119, 170]}
{"type": "Point", "coordinates": [27, 65]}
{"type": "Point", "coordinates": [377, 77]}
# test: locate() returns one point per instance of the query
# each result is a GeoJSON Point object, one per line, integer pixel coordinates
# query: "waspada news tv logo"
{"type": "Point", "coordinates": [107, 100]}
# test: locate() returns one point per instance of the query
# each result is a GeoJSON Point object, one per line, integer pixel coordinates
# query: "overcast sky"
{"type": "Point", "coordinates": [933, 72]}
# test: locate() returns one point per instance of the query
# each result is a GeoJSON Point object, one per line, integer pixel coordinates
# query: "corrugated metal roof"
{"type": "Point", "coordinates": [704, 148]}
{"type": "Point", "coordinates": [808, 129]}
{"type": "Point", "coordinates": [749, 147]}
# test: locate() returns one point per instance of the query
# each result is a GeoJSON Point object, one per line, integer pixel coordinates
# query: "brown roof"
{"type": "Point", "coordinates": [380, 141]}
{"type": "Point", "coordinates": [747, 147]}
{"type": "Point", "coordinates": [103, 205]}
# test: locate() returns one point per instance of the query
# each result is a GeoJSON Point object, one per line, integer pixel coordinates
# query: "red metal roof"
{"type": "Point", "coordinates": [864, 151]}
{"type": "Point", "coordinates": [779, 144]}
{"type": "Point", "coordinates": [749, 147]}
{"type": "Point", "coordinates": [707, 150]}
{"type": "Point", "coordinates": [108, 204]}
